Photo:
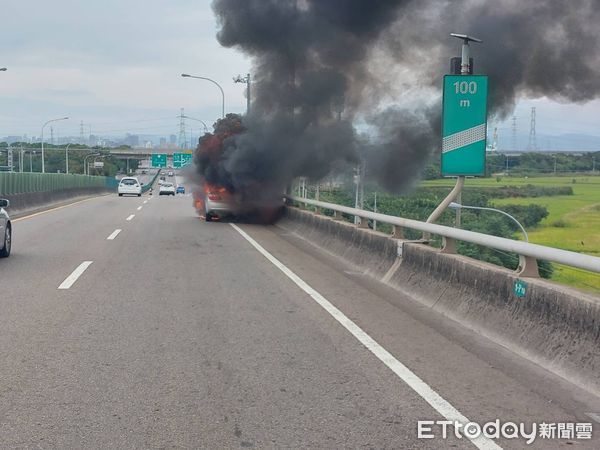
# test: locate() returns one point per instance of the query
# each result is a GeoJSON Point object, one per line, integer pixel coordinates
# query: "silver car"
{"type": "Point", "coordinates": [5, 230]}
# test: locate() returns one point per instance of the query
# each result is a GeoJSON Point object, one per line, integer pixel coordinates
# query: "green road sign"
{"type": "Point", "coordinates": [159, 160]}
{"type": "Point", "coordinates": [520, 288]}
{"type": "Point", "coordinates": [181, 159]}
{"type": "Point", "coordinates": [464, 125]}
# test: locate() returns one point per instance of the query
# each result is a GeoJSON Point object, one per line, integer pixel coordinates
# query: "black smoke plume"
{"type": "Point", "coordinates": [323, 69]}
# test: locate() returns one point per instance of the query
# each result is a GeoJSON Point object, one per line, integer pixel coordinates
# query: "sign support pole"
{"type": "Point", "coordinates": [456, 193]}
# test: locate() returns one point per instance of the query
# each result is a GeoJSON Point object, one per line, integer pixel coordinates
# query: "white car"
{"type": "Point", "coordinates": [166, 189]}
{"type": "Point", "coordinates": [129, 186]}
{"type": "Point", "coordinates": [5, 230]}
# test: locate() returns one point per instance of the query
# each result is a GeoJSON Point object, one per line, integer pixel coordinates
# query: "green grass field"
{"type": "Point", "coordinates": [573, 222]}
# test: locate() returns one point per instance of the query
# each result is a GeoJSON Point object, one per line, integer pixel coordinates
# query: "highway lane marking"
{"type": "Point", "coordinates": [145, 201]}
{"type": "Point", "coordinates": [594, 416]}
{"type": "Point", "coordinates": [130, 217]}
{"type": "Point", "coordinates": [139, 208]}
{"type": "Point", "coordinates": [71, 279]}
{"type": "Point", "coordinates": [438, 403]}
{"type": "Point", "coordinates": [113, 235]}
{"type": "Point", "coordinates": [57, 208]}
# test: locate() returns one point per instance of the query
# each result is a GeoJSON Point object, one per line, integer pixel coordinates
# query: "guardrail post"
{"type": "Point", "coordinates": [528, 267]}
{"type": "Point", "coordinates": [397, 232]}
{"type": "Point", "coordinates": [362, 222]}
{"type": "Point", "coordinates": [449, 245]}
{"type": "Point", "coordinates": [337, 215]}
{"type": "Point", "coordinates": [317, 198]}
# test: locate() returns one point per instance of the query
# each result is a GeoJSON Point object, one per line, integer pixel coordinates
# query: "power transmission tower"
{"type": "Point", "coordinates": [182, 134]}
{"type": "Point", "coordinates": [532, 144]}
{"type": "Point", "coordinates": [514, 133]}
{"type": "Point", "coordinates": [81, 139]}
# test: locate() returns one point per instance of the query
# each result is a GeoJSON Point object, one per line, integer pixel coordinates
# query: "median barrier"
{"type": "Point", "coordinates": [30, 191]}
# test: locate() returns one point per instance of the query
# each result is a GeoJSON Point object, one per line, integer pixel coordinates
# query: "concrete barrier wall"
{"type": "Point", "coordinates": [555, 326]}
{"type": "Point", "coordinates": [25, 203]}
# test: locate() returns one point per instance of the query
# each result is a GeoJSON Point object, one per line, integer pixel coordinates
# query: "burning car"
{"type": "Point", "coordinates": [216, 203]}
{"type": "Point", "coordinates": [219, 195]}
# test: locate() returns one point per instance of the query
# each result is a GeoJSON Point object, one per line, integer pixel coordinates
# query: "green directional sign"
{"type": "Point", "coordinates": [464, 125]}
{"type": "Point", "coordinates": [159, 160]}
{"type": "Point", "coordinates": [181, 159]}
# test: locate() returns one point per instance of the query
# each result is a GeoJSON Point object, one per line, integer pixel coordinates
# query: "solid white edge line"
{"type": "Point", "coordinates": [139, 208]}
{"type": "Point", "coordinates": [438, 403]}
{"type": "Point", "coordinates": [113, 235]}
{"type": "Point", "coordinates": [130, 217]}
{"type": "Point", "coordinates": [594, 416]}
{"type": "Point", "coordinates": [71, 279]}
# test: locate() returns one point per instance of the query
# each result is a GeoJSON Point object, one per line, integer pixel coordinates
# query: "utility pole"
{"type": "Point", "coordinates": [532, 145]}
{"type": "Point", "coordinates": [514, 133]}
{"type": "Point", "coordinates": [182, 133]}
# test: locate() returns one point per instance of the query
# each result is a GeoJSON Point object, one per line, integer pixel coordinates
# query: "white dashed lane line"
{"type": "Point", "coordinates": [139, 208]}
{"type": "Point", "coordinates": [71, 279]}
{"type": "Point", "coordinates": [113, 235]}
{"type": "Point", "coordinates": [130, 217]}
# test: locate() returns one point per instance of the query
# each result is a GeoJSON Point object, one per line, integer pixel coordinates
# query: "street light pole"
{"type": "Point", "coordinates": [43, 126]}
{"type": "Point", "coordinates": [458, 206]}
{"type": "Point", "coordinates": [185, 75]}
{"type": "Point", "coordinates": [67, 158]}
{"type": "Point", "coordinates": [85, 168]}
{"type": "Point", "coordinates": [197, 120]}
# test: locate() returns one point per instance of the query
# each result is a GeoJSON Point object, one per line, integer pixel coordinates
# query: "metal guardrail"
{"type": "Point", "coordinates": [24, 183]}
{"type": "Point", "coordinates": [146, 187]}
{"type": "Point", "coordinates": [528, 253]}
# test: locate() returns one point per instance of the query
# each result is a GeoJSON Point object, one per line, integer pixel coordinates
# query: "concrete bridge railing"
{"type": "Point", "coordinates": [528, 253]}
{"type": "Point", "coordinates": [555, 326]}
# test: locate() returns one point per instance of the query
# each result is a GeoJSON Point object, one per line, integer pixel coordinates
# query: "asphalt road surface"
{"type": "Point", "coordinates": [176, 333]}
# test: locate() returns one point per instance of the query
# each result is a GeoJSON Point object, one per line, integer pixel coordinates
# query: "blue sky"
{"type": "Point", "coordinates": [115, 65]}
